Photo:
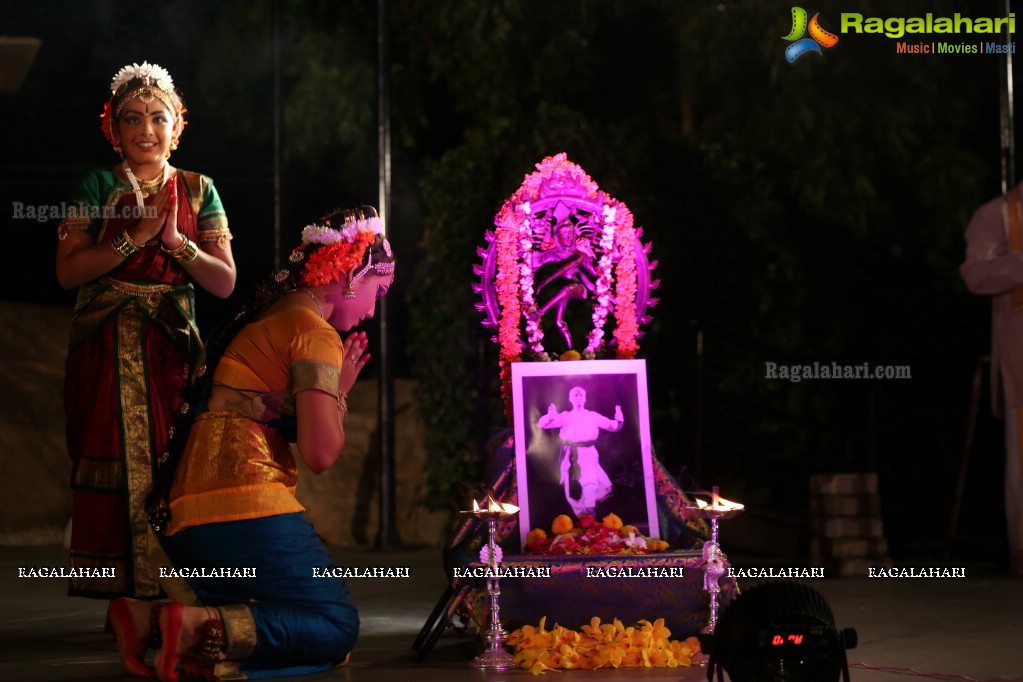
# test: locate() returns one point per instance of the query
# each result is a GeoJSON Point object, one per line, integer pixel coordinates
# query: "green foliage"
{"type": "Point", "coordinates": [328, 82]}
{"type": "Point", "coordinates": [446, 334]}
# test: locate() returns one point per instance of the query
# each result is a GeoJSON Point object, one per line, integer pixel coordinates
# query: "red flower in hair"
{"type": "Point", "coordinates": [106, 121]}
{"type": "Point", "coordinates": [327, 263]}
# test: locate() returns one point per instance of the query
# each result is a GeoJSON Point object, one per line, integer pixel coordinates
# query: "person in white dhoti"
{"type": "Point", "coordinates": [585, 482]}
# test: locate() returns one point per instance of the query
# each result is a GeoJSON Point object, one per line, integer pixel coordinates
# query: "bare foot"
{"type": "Point", "coordinates": [181, 627]}
{"type": "Point", "coordinates": [130, 621]}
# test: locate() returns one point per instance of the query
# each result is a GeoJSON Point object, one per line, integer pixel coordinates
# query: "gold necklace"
{"type": "Point", "coordinates": [315, 300]}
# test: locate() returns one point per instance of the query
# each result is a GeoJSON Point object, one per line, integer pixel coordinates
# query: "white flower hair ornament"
{"type": "Point", "coordinates": [145, 82]}
{"type": "Point", "coordinates": [152, 74]}
{"type": "Point", "coordinates": [321, 234]}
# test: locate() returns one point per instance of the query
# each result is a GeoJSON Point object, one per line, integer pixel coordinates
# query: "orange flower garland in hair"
{"type": "Point", "coordinates": [336, 251]}
{"type": "Point", "coordinates": [327, 262]}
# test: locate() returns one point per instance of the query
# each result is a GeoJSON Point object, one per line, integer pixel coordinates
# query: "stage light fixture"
{"type": "Point", "coordinates": [16, 57]}
{"type": "Point", "coordinates": [779, 631]}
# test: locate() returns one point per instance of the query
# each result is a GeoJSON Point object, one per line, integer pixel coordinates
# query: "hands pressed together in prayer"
{"type": "Point", "coordinates": [355, 358]}
{"type": "Point", "coordinates": [160, 219]}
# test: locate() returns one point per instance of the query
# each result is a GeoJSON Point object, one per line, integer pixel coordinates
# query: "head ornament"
{"type": "Point", "coordinates": [337, 245]}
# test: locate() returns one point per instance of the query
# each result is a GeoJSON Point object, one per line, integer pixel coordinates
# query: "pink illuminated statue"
{"type": "Point", "coordinates": [562, 246]}
{"type": "Point", "coordinates": [575, 268]}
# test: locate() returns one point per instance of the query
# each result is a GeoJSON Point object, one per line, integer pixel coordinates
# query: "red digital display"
{"type": "Point", "coordinates": [782, 640]}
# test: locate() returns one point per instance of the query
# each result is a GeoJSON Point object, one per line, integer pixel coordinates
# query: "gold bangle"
{"type": "Point", "coordinates": [342, 406]}
{"type": "Point", "coordinates": [185, 253]}
{"type": "Point", "coordinates": [176, 249]}
{"type": "Point", "coordinates": [191, 252]}
{"type": "Point", "coordinates": [124, 245]}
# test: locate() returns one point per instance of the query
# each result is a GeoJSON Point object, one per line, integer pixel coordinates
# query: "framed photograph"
{"type": "Point", "coordinates": [582, 442]}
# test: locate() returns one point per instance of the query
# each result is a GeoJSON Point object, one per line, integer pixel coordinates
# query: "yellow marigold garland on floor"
{"type": "Point", "coordinates": [611, 645]}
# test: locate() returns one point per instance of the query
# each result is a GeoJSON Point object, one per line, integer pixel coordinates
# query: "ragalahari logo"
{"type": "Point", "coordinates": [800, 45]}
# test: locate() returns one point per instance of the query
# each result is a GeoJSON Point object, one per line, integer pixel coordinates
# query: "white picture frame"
{"type": "Point", "coordinates": [545, 419]}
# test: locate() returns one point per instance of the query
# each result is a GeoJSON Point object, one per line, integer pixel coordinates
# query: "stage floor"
{"type": "Point", "coordinates": [970, 627]}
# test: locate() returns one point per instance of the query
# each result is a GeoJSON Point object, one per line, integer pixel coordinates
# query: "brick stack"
{"type": "Point", "coordinates": [846, 530]}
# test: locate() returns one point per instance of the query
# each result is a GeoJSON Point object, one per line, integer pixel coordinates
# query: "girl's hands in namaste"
{"type": "Point", "coordinates": [165, 207]}
{"type": "Point", "coordinates": [354, 360]}
{"type": "Point", "coordinates": [171, 238]}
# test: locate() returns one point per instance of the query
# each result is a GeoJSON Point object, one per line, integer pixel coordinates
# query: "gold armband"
{"type": "Point", "coordinates": [220, 235]}
{"type": "Point", "coordinates": [69, 224]}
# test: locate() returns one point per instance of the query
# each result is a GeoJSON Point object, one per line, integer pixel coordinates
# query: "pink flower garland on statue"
{"type": "Point", "coordinates": [607, 240]}
{"type": "Point", "coordinates": [508, 295]}
{"type": "Point", "coordinates": [626, 333]}
{"type": "Point", "coordinates": [534, 332]}
{"type": "Point", "coordinates": [513, 242]}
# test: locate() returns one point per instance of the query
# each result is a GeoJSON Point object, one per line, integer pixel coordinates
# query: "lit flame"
{"type": "Point", "coordinates": [719, 503]}
{"type": "Point", "coordinates": [495, 506]}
